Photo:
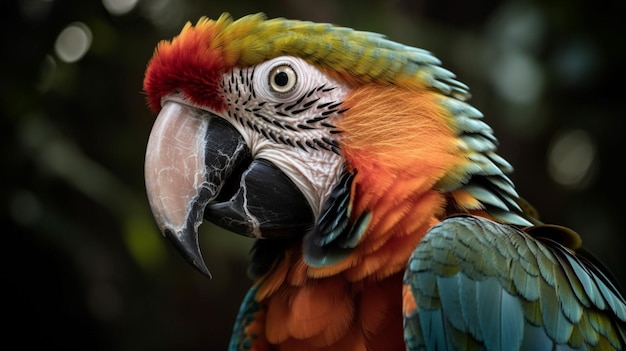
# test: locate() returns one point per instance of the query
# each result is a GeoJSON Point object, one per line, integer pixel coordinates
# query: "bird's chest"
{"type": "Point", "coordinates": [334, 314]}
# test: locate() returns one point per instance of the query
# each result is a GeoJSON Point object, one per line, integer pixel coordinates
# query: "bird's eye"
{"type": "Point", "coordinates": [282, 78]}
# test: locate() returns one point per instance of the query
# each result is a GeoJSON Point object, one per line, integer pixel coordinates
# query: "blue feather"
{"type": "Point", "coordinates": [512, 321]}
{"type": "Point", "coordinates": [450, 296]}
{"type": "Point", "coordinates": [469, 307]}
{"type": "Point", "coordinates": [488, 302]}
{"type": "Point", "coordinates": [434, 330]}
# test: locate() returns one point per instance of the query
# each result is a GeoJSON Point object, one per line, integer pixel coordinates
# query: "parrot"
{"type": "Point", "coordinates": [382, 215]}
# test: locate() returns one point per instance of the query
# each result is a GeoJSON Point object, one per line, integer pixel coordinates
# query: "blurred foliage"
{"type": "Point", "coordinates": [86, 266]}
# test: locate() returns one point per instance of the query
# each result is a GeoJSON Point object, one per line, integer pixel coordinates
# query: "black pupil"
{"type": "Point", "coordinates": [281, 79]}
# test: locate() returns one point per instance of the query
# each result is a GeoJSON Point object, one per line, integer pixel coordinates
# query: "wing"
{"type": "Point", "coordinates": [481, 285]}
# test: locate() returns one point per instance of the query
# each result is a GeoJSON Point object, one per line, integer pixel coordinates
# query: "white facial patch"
{"type": "Point", "coordinates": [285, 108]}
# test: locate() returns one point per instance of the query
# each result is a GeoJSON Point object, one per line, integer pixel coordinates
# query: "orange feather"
{"type": "Point", "coordinates": [408, 301]}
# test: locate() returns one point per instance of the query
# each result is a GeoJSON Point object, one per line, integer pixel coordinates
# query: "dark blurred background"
{"type": "Point", "coordinates": [84, 265]}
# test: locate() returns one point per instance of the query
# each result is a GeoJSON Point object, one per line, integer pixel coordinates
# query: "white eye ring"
{"type": "Point", "coordinates": [282, 78]}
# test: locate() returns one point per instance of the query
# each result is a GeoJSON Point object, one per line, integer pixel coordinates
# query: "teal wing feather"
{"type": "Point", "coordinates": [241, 340]}
{"type": "Point", "coordinates": [482, 285]}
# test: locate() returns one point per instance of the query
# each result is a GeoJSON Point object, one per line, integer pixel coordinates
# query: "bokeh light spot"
{"type": "Point", "coordinates": [576, 63]}
{"type": "Point", "coordinates": [571, 159]}
{"type": "Point", "coordinates": [166, 14]}
{"type": "Point", "coordinates": [144, 242]}
{"type": "Point", "coordinates": [119, 7]}
{"type": "Point", "coordinates": [517, 77]}
{"type": "Point", "coordinates": [73, 42]}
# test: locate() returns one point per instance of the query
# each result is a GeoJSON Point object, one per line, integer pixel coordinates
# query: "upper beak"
{"type": "Point", "coordinates": [190, 156]}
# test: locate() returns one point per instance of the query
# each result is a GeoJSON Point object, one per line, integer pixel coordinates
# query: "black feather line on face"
{"type": "Point", "coordinates": [274, 122]}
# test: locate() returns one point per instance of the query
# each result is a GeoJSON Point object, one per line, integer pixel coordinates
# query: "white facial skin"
{"type": "Point", "coordinates": [285, 108]}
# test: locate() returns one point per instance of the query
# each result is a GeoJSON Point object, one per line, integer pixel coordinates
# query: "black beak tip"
{"type": "Point", "coordinates": [188, 247]}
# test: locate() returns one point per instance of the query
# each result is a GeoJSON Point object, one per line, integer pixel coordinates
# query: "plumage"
{"type": "Point", "coordinates": [547, 293]}
{"type": "Point", "coordinates": [384, 217]}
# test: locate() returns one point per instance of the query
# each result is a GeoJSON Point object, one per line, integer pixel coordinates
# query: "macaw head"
{"type": "Point", "coordinates": [299, 131]}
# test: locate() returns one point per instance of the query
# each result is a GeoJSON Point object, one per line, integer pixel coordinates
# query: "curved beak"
{"type": "Point", "coordinates": [198, 165]}
{"type": "Point", "coordinates": [182, 177]}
